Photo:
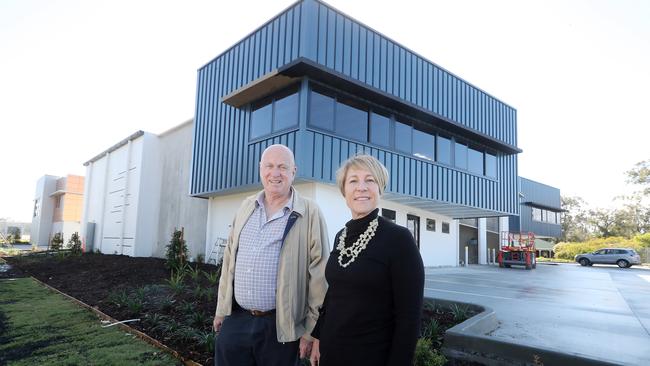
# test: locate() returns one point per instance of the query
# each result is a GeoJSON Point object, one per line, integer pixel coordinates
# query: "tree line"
{"type": "Point", "coordinates": [630, 219]}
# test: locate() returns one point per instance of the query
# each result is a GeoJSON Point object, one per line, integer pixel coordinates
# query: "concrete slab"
{"type": "Point", "coordinates": [556, 314]}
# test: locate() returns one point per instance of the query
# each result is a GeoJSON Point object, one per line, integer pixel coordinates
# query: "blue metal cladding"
{"type": "Point", "coordinates": [225, 160]}
{"type": "Point", "coordinates": [363, 54]}
{"type": "Point", "coordinates": [535, 194]}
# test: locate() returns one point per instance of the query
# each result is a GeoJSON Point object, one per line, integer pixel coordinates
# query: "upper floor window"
{"type": "Point", "coordinates": [548, 216]}
{"type": "Point", "coordinates": [355, 119]}
{"type": "Point", "coordinates": [444, 150]}
{"type": "Point", "coordinates": [379, 129]}
{"type": "Point", "coordinates": [423, 144]}
{"type": "Point", "coordinates": [275, 113]}
{"type": "Point", "coordinates": [460, 155]}
{"type": "Point", "coordinates": [475, 161]}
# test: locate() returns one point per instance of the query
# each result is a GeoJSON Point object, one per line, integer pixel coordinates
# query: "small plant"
{"type": "Point", "coordinates": [432, 330]}
{"type": "Point", "coordinates": [197, 319]}
{"type": "Point", "coordinates": [176, 282]}
{"type": "Point", "coordinates": [460, 312]}
{"type": "Point", "coordinates": [212, 277]}
{"type": "Point", "coordinates": [206, 341]}
{"type": "Point", "coordinates": [119, 298]}
{"type": "Point", "coordinates": [177, 253]}
{"type": "Point", "coordinates": [187, 308]}
{"type": "Point", "coordinates": [167, 304]}
{"type": "Point", "coordinates": [135, 305]}
{"type": "Point", "coordinates": [426, 356]}
{"type": "Point", "coordinates": [197, 292]}
{"type": "Point", "coordinates": [200, 258]}
{"type": "Point", "coordinates": [194, 273]}
{"type": "Point", "coordinates": [210, 293]}
{"type": "Point", "coordinates": [57, 241]}
{"type": "Point", "coordinates": [75, 244]}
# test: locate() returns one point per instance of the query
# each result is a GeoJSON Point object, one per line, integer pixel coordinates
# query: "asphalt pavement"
{"type": "Point", "coordinates": [555, 314]}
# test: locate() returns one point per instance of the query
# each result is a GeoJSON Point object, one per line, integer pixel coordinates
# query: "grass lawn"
{"type": "Point", "coordinates": [39, 327]}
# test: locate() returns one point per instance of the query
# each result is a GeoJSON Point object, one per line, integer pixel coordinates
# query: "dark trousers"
{"type": "Point", "coordinates": [246, 340]}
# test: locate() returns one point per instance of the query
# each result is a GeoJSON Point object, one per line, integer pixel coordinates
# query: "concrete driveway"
{"type": "Point", "coordinates": [555, 313]}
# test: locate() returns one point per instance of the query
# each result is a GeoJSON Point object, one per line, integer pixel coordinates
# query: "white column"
{"type": "Point", "coordinates": [482, 241]}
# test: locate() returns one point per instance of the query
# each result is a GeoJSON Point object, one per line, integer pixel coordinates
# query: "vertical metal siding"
{"type": "Point", "coordinates": [224, 159]}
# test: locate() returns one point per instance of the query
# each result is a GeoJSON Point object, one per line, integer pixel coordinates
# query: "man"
{"type": "Point", "coordinates": [273, 276]}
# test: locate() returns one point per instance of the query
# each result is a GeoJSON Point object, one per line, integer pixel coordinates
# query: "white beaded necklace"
{"type": "Point", "coordinates": [353, 251]}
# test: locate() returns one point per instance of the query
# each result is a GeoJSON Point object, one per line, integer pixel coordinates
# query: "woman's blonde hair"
{"type": "Point", "coordinates": [366, 162]}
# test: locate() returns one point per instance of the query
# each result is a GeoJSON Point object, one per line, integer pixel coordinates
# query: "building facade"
{"type": "Point", "coordinates": [328, 87]}
{"type": "Point", "coordinates": [57, 208]}
{"type": "Point", "coordinates": [540, 214]}
{"type": "Point", "coordinates": [137, 194]}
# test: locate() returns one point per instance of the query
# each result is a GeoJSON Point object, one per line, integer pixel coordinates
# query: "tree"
{"type": "Point", "coordinates": [57, 241]}
{"type": "Point", "coordinates": [575, 226]}
{"type": "Point", "coordinates": [15, 232]}
{"type": "Point", "coordinates": [75, 244]}
{"type": "Point", "coordinates": [640, 175]}
{"type": "Point", "coordinates": [177, 253]}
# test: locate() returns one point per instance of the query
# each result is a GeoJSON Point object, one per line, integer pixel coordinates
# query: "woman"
{"type": "Point", "coordinates": [371, 313]}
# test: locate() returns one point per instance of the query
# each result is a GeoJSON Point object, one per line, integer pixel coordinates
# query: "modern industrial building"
{"type": "Point", "coordinates": [137, 194]}
{"type": "Point", "coordinates": [328, 87]}
{"type": "Point", "coordinates": [540, 213]}
{"type": "Point", "coordinates": [57, 208]}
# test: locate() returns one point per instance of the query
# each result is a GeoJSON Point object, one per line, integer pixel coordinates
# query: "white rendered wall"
{"type": "Point", "coordinates": [177, 208]}
{"type": "Point", "coordinates": [94, 185]}
{"type": "Point", "coordinates": [42, 223]}
{"type": "Point", "coordinates": [147, 183]}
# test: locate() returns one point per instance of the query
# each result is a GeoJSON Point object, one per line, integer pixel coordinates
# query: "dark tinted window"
{"type": "Point", "coordinates": [423, 144]}
{"type": "Point", "coordinates": [351, 120]}
{"type": "Point", "coordinates": [379, 129]}
{"type": "Point", "coordinates": [475, 161]}
{"type": "Point", "coordinates": [389, 214]}
{"type": "Point", "coordinates": [261, 121]}
{"type": "Point", "coordinates": [402, 137]}
{"type": "Point", "coordinates": [460, 156]}
{"type": "Point", "coordinates": [490, 165]}
{"type": "Point", "coordinates": [444, 150]}
{"type": "Point", "coordinates": [445, 227]}
{"type": "Point", "coordinates": [321, 111]}
{"type": "Point", "coordinates": [286, 112]}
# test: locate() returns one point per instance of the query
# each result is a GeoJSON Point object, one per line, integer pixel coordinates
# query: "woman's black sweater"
{"type": "Point", "coordinates": [374, 305]}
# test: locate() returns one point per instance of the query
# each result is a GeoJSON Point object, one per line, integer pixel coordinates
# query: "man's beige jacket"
{"type": "Point", "coordinates": [301, 282]}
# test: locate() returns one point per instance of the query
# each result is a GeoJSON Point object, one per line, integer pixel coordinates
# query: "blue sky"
{"type": "Point", "coordinates": [78, 76]}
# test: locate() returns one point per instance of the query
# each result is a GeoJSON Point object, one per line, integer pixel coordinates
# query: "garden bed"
{"type": "Point", "coordinates": [175, 310]}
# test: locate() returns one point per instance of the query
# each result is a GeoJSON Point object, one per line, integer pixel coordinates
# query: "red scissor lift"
{"type": "Point", "coordinates": [517, 249]}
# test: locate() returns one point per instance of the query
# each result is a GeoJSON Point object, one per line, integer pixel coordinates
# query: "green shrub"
{"type": "Point", "coordinates": [426, 356]}
{"type": "Point", "coordinates": [432, 330]}
{"type": "Point", "coordinates": [460, 312]}
{"type": "Point", "coordinates": [176, 282]}
{"type": "Point", "coordinates": [568, 250]}
{"type": "Point", "coordinates": [57, 241]}
{"type": "Point", "coordinates": [177, 253]}
{"type": "Point", "coordinates": [75, 244]}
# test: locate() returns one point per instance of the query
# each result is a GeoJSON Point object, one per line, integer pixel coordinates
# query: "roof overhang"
{"type": "Point", "coordinates": [544, 207]}
{"type": "Point", "coordinates": [455, 211]}
{"type": "Point", "coordinates": [302, 67]}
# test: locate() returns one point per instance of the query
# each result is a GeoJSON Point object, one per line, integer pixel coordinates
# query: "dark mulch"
{"type": "Point", "coordinates": [95, 279]}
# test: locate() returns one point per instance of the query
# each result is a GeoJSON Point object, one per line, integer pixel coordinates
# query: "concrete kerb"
{"type": "Point", "coordinates": [470, 341]}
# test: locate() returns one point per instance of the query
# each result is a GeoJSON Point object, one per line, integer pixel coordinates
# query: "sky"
{"type": "Point", "coordinates": [76, 77]}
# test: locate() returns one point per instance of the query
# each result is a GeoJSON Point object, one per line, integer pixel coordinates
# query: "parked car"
{"type": "Point", "coordinates": [623, 257]}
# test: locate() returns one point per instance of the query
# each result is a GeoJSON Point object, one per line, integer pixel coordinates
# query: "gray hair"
{"type": "Point", "coordinates": [366, 162]}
